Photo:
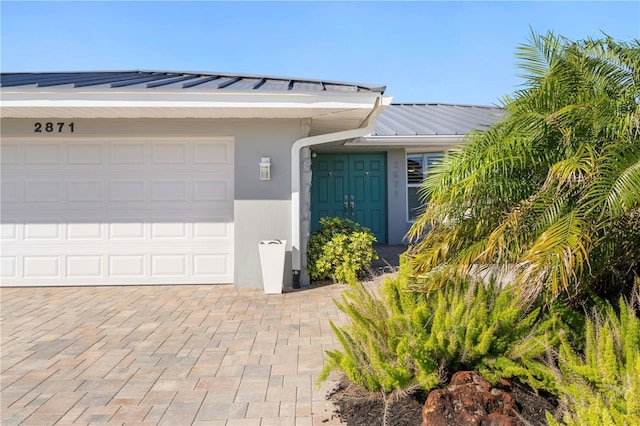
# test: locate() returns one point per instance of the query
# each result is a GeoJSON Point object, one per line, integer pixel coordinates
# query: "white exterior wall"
{"type": "Point", "coordinates": [261, 208]}
{"type": "Point", "coordinates": [305, 213]}
{"type": "Point", "coordinates": [397, 196]}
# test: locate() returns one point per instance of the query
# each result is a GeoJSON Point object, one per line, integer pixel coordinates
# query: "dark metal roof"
{"type": "Point", "coordinates": [177, 80]}
{"type": "Point", "coordinates": [434, 119]}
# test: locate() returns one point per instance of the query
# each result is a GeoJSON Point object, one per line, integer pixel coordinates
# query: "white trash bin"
{"type": "Point", "coordinates": [272, 262]}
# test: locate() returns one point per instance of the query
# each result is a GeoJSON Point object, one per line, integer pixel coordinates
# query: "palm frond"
{"type": "Point", "coordinates": [558, 256]}
{"type": "Point", "coordinates": [546, 184]}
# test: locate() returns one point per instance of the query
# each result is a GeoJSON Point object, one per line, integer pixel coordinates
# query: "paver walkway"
{"type": "Point", "coordinates": [175, 355]}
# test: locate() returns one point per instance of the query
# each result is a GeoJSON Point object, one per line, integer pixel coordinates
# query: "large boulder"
{"type": "Point", "coordinates": [469, 400]}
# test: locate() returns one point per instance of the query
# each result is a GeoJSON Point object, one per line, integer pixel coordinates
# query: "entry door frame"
{"type": "Point", "coordinates": [362, 179]}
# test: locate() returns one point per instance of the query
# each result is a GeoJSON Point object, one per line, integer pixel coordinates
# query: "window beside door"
{"type": "Point", "coordinates": [418, 168]}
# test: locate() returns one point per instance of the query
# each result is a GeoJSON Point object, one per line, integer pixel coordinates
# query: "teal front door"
{"type": "Point", "coordinates": [352, 186]}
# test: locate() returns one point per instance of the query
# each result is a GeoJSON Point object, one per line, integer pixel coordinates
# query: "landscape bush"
{"type": "Point", "coordinates": [400, 339]}
{"type": "Point", "coordinates": [340, 249]}
{"type": "Point", "coordinates": [600, 385]}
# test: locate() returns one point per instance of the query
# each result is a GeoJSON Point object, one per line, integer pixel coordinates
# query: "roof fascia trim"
{"type": "Point", "coordinates": [173, 99]}
{"type": "Point", "coordinates": [406, 140]}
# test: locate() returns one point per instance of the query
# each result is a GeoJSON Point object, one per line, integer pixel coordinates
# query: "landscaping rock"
{"type": "Point", "coordinates": [469, 400]}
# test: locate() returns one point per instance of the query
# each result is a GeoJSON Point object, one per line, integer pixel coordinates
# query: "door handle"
{"type": "Point", "coordinates": [352, 206]}
{"type": "Point", "coordinates": [345, 209]}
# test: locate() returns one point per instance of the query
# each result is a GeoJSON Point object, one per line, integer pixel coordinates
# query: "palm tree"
{"type": "Point", "coordinates": [545, 191]}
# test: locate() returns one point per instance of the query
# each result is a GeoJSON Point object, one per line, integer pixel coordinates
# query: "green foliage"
{"type": "Point", "coordinates": [552, 190]}
{"type": "Point", "coordinates": [401, 338]}
{"type": "Point", "coordinates": [340, 249]}
{"type": "Point", "coordinates": [601, 386]}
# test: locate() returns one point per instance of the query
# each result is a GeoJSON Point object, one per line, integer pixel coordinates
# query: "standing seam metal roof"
{"type": "Point", "coordinates": [435, 119]}
{"type": "Point", "coordinates": [179, 80]}
{"type": "Point", "coordinates": [406, 119]}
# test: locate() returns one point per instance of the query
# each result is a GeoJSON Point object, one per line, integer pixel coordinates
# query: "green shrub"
{"type": "Point", "coordinates": [370, 343]}
{"type": "Point", "coordinates": [403, 339]}
{"type": "Point", "coordinates": [340, 249]}
{"type": "Point", "coordinates": [601, 386]}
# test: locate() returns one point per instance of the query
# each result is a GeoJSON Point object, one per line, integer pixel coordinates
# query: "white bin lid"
{"type": "Point", "coordinates": [273, 242]}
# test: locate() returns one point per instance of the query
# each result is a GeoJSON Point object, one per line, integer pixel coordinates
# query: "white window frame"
{"type": "Point", "coordinates": [408, 185]}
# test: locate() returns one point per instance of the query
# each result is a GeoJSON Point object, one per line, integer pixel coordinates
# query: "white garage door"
{"type": "Point", "coordinates": [103, 212]}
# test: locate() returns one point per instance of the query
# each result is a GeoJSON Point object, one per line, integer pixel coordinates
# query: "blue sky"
{"type": "Point", "coordinates": [423, 51]}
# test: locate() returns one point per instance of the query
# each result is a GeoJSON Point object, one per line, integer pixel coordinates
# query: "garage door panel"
{"type": "Point", "coordinates": [127, 153]}
{"type": "Point", "coordinates": [83, 154]}
{"type": "Point", "coordinates": [125, 212]}
{"type": "Point", "coordinates": [89, 191]}
{"type": "Point", "coordinates": [43, 191]}
{"type": "Point", "coordinates": [97, 191]}
{"type": "Point", "coordinates": [84, 229]}
{"type": "Point", "coordinates": [211, 190]}
{"type": "Point", "coordinates": [204, 229]}
{"type": "Point", "coordinates": [125, 230]}
{"type": "Point", "coordinates": [212, 265]}
{"type": "Point", "coordinates": [127, 191]}
{"type": "Point", "coordinates": [8, 230]}
{"type": "Point", "coordinates": [79, 156]}
{"type": "Point", "coordinates": [169, 190]}
{"type": "Point", "coordinates": [168, 229]}
{"type": "Point", "coordinates": [11, 153]}
{"type": "Point", "coordinates": [41, 267]}
{"type": "Point", "coordinates": [117, 269]}
{"type": "Point", "coordinates": [43, 153]}
{"type": "Point", "coordinates": [219, 154]}
{"type": "Point", "coordinates": [74, 231]}
{"type": "Point", "coordinates": [9, 267]}
{"type": "Point", "coordinates": [169, 265]}
{"type": "Point", "coordinates": [42, 231]}
{"type": "Point", "coordinates": [127, 265]}
{"type": "Point", "coordinates": [168, 153]}
{"type": "Point", "coordinates": [11, 191]}
{"type": "Point", "coordinates": [84, 266]}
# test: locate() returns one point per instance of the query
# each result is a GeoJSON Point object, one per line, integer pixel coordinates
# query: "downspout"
{"type": "Point", "coordinates": [365, 129]}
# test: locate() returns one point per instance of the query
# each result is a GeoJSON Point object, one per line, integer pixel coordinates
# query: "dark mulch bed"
{"type": "Point", "coordinates": [357, 407]}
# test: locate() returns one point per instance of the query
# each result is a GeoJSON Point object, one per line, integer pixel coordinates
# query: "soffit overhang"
{"type": "Point", "coordinates": [327, 111]}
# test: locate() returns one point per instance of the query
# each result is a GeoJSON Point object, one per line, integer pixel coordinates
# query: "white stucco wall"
{"type": "Point", "coordinates": [305, 213]}
{"type": "Point", "coordinates": [397, 196]}
{"type": "Point", "coordinates": [262, 208]}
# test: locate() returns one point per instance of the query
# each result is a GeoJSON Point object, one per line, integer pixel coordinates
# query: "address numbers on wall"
{"type": "Point", "coordinates": [49, 127]}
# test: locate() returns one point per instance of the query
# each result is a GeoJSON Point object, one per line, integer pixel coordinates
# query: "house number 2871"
{"type": "Point", "coordinates": [49, 127]}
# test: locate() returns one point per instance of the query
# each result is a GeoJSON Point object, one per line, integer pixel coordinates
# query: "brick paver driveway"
{"type": "Point", "coordinates": [176, 355]}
